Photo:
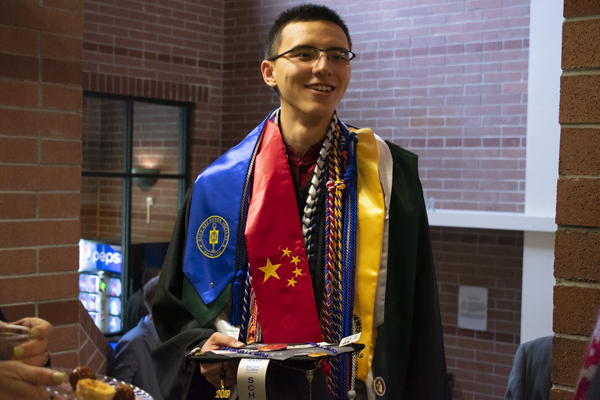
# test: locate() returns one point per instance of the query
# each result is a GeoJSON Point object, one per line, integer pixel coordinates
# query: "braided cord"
{"type": "Point", "coordinates": [351, 212]}
{"type": "Point", "coordinates": [326, 309]}
{"type": "Point", "coordinates": [335, 186]}
{"type": "Point", "coordinates": [239, 314]}
{"type": "Point", "coordinates": [311, 215]}
{"type": "Point", "coordinates": [341, 226]}
{"type": "Point", "coordinates": [340, 256]}
{"type": "Point", "coordinates": [245, 309]}
{"type": "Point", "coordinates": [348, 361]}
{"type": "Point", "coordinates": [338, 165]}
{"type": "Point", "coordinates": [253, 335]}
{"type": "Point", "coordinates": [330, 243]}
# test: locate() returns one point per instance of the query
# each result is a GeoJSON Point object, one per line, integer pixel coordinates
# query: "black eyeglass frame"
{"type": "Point", "coordinates": [350, 58]}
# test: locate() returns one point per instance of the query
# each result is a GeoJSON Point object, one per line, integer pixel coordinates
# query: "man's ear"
{"type": "Point", "coordinates": [266, 67]}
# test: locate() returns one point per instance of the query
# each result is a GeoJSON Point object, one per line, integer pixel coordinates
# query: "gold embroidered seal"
{"type": "Point", "coordinates": [212, 236]}
{"type": "Point", "coordinates": [379, 386]}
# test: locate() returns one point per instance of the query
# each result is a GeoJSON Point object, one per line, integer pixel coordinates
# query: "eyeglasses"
{"type": "Point", "coordinates": [308, 54]}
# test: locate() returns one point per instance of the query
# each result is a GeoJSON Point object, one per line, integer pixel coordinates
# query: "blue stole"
{"type": "Point", "coordinates": [211, 246]}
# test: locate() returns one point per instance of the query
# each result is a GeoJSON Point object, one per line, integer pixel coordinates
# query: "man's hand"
{"type": "Point", "coordinates": [211, 371]}
{"type": "Point", "coordinates": [19, 381]}
{"type": "Point", "coordinates": [34, 351]}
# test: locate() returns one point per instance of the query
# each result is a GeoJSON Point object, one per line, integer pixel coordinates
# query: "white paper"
{"type": "Point", "coordinates": [350, 339]}
{"type": "Point", "coordinates": [251, 379]}
{"type": "Point", "coordinates": [472, 307]}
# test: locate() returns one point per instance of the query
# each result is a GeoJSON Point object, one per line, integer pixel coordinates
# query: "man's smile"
{"type": "Point", "coordinates": [321, 88]}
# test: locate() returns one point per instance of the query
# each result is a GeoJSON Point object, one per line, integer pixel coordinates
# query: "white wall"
{"type": "Point", "coordinates": [543, 138]}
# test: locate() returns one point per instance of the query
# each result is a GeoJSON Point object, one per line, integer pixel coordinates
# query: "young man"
{"type": "Point", "coordinates": [308, 230]}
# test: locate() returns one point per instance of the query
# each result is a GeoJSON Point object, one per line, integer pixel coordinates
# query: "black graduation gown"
{"type": "Point", "coordinates": [409, 354]}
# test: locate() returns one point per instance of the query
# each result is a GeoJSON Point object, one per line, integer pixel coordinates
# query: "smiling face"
{"type": "Point", "coordinates": [309, 90]}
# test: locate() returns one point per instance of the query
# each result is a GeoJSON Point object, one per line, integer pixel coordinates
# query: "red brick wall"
{"type": "Point", "coordinates": [447, 80]}
{"type": "Point", "coordinates": [480, 360]}
{"type": "Point", "coordinates": [577, 249]}
{"type": "Point", "coordinates": [40, 172]}
{"type": "Point", "coordinates": [168, 50]}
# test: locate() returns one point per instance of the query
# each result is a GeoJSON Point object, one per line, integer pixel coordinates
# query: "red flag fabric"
{"type": "Point", "coordinates": [286, 306]}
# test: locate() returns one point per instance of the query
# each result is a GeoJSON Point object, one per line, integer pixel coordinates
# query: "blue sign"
{"type": "Point", "coordinates": [93, 255]}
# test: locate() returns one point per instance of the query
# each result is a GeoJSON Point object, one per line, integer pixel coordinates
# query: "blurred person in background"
{"type": "Point", "coordinates": [530, 378]}
{"type": "Point", "coordinates": [132, 362]}
{"type": "Point", "coordinates": [135, 309]}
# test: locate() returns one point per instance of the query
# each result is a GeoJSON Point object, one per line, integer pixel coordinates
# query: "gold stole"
{"type": "Point", "coordinates": [369, 239]}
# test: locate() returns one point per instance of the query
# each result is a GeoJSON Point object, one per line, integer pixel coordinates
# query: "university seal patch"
{"type": "Point", "coordinates": [379, 386]}
{"type": "Point", "coordinates": [213, 236]}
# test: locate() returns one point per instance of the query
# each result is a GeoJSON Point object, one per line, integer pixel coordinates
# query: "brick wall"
{"type": "Point", "coordinates": [480, 361]}
{"type": "Point", "coordinates": [447, 80]}
{"type": "Point", "coordinates": [168, 50]}
{"type": "Point", "coordinates": [40, 173]}
{"type": "Point", "coordinates": [577, 254]}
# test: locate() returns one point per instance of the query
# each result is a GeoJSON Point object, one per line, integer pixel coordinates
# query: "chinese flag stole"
{"type": "Point", "coordinates": [276, 252]}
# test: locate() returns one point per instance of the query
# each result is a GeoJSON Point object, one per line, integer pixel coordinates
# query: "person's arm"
{"type": "Point", "coordinates": [19, 381]}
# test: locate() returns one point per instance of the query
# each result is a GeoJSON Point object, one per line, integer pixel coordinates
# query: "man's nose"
{"type": "Point", "coordinates": [321, 52]}
{"type": "Point", "coordinates": [323, 62]}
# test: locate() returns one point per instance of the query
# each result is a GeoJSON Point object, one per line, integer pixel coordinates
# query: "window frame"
{"type": "Point", "coordinates": [127, 176]}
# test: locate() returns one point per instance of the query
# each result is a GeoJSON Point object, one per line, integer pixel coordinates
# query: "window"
{"type": "Point", "coordinates": [134, 177]}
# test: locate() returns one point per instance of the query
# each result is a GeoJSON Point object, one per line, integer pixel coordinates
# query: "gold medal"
{"type": "Point", "coordinates": [318, 354]}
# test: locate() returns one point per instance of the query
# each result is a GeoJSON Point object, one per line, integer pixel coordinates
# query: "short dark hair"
{"type": "Point", "coordinates": [149, 292]}
{"type": "Point", "coordinates": [302, 13]}
{"type": "Point", "coordinates": [149, 273]}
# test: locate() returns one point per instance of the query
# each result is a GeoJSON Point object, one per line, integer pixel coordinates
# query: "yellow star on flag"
{"type": "Point", "coordinates": [291, 282]}
{"type": "Point", "coordinates": [297, 271]}
{"type": "Point", "coordinates": [296, 260]}
{"type": "Point", "coordinates": [286, 252]}
{"type": "Point", "coordinates": [270, 270]}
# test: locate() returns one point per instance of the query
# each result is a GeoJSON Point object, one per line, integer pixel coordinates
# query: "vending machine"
{"type": "Point", "coordinates": [101, 278]}
{"type": "Point", "coordinates": [100, 271]}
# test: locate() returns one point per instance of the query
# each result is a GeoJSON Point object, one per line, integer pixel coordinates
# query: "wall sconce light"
{"type": "Point", "coordinates": [145, 183]}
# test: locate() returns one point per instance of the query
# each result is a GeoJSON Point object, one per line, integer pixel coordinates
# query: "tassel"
{"type": "Point", "coordinates": [236, 301]}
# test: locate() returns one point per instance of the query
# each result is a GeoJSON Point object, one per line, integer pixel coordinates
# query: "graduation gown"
{"type": "Point", "coordinates": [408, 360]}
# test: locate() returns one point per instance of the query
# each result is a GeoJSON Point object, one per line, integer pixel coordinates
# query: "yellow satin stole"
{"type": "Point", "coordinates": [369, 239]}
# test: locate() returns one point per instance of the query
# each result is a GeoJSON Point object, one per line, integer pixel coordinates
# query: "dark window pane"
{"type": "Point", "coordinates": [103, 135]}
{"type": "Point", "coordinates": [156, 137]}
